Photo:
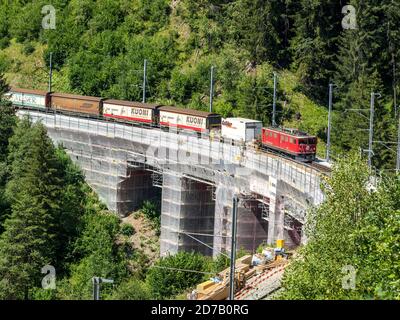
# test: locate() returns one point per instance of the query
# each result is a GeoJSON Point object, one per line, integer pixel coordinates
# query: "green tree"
{"type": "Point", "coordinates": [33, 190]}
{"type": "Point", "coordinates": [259, 27]}
{"type": "Point", "coordinates": [7, 123]}
{"type": "Point", "coordinates": [165, 280]}
{"type": "Point", "coordinates": [355, 228]}
{"type": "Point", "coordinates": [132, 289]}
{"type": "Point", "coordinates": [98, 256]}
{"type": "Point", "coordinates": [4, 87]}
{"type": "Point", "coordinates": [317, 25]}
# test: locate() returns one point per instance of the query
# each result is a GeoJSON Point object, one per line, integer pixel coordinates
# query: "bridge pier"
{"type": "Point", "coordinates": [187, 215]}
{"type": "Point", "coordinates": [252, 230]}
{"type": "Point", "coordinates": [136, 188]}
{"type": "Point", "coordinates": [276, 220]}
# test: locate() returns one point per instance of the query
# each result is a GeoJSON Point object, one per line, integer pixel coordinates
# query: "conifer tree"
{"type": "Point", "coordinates": [317, 25]}
{"type": "Point", "coordinates": [7, 122]}
{"type": "Point", "coordinates": [27, 242]}
{"type": "Point", "coordinates": [361, 68]}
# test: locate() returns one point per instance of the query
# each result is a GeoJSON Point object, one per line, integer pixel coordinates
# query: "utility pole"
{"type": "Point", "coordinates": [144, 80]}
{"type": "Point", "coordinates": [274, 102]}
{"type": "Point", "coordinates": [371, 128]}
{"type": "Point", "coordinates": [233, 248]}
{"type": "Point", "coordinates": [96, 286]}
{"type": "Point", "coordinates": [211, 88]}
{"type": "Point", "coordinates": [328, 141]}
{"type": "Point", "coordinates": [398, 148]}
{"type": "Point", "coordinates": [51, 71]}
{"type": "Point", "coordinates": [394, 85]}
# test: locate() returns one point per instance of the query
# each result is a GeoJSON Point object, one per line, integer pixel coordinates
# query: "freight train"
{"type": "Point", "coordinates": [289, 142]}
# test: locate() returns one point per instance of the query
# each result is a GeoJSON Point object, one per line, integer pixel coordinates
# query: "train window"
{"type": "Point", "coordinates": [292, 141]}
{"type": "Point", "coordinates": [275, 135]}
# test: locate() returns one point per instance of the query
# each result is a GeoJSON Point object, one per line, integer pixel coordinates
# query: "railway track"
{"type": "Point", "coordinates": [320, 167]}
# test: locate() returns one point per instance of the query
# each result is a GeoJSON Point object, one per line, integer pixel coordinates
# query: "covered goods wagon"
{"type": "Point", "coordinates": [130, 110]}
{"type": "Point", "coordinates": [189, 119]}
{"type": "Point", "coordinates": [36, 99]}
{"type": "Point", "coordinates": [62, 102]}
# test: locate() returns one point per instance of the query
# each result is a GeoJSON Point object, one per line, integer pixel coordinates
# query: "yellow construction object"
{"type": "Point", "coordinates": [280, 243]}
{"type": "Point", "coordinates": [205, 285]}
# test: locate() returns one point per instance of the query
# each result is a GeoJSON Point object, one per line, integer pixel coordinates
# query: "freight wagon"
{"type": "Point", "coordinates": [199, 121]}
{"type": "Point", "coordinates": [130, 111]}
{"type": "Point", "coordinates": [35, 99]}
{"type": "Point", "coordinates": [61, 102]}
{"type": "Point", "coordinates": [240, 129]}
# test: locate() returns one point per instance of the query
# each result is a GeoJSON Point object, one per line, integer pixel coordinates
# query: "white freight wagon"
{"type": "Point", "coordinates": [37, 99]}
{"type": "Point", "coordinates": [129, 110]}
{"type": "Point", "coordinates": [240, 129]}
{"type": "Point", "coordinates": [188, 119]}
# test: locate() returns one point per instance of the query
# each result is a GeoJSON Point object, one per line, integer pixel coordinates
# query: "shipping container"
{"type": "Point", "coordinates": [245, 130]}
{"type": "Point", "coordinates": [76, 104]}
{"type": "Point", "coordinates": [36, 99]}
{"type": "Point", "coordinates": [189, 119]}
{"type": "Point", "coordinates": [130, 111]}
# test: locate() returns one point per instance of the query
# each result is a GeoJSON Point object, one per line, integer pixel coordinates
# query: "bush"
{"type": "Point", "coordinates": [166, 281]}
{"type": "Point", "coordinates": [134, 289]}
{"type": "Point", "coordinates": [28, 48]}
{"type": "Point", "coordinates": [151, 211]}
{"type": "Point", "coordinates": [127, 230]}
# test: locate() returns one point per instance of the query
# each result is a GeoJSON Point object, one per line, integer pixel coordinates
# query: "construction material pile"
{"type": "Point", "coordinates": [217, 288]}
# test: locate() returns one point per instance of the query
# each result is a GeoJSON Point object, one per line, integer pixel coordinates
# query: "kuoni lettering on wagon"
{"type": "Point", "coordinates": [127, 112]}
{"type": "Point", "coordinates": [182, 120]}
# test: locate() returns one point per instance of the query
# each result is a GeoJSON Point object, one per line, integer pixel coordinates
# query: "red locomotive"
{"type": "Point", "coordinates": [296, 144]}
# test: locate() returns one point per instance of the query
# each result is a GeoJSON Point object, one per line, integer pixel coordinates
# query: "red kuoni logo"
{"type": "Point", "coordinates": [194, 120]}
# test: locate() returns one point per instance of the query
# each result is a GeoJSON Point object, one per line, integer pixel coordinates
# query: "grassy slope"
{"type": "Point", "coordinates": [313, 116]}
{"type": "Point", "coordinates": [30, 71]}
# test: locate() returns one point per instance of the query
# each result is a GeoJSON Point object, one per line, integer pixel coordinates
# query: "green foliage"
{"type": "Point", "coordinates": [354, 227]}
{"type": "Point", "coordinates": [152, 212]}
{"type": "Point", "coordinates": [27, 244]}
{"type": "Point", "coordinates": [132, 289]}
{"type": "Point", "coordinates": [166, 282]}
{"type": "Point", "coordinates": [28, 48]}
{"type": "Point", "coordinates": [100, 257]}
{"type": "Point", "coordinates": [221, 263]}
{"type": "Point", "coordinates": [7, 123]}
{"type": "Point", "coordinates": [4, 87]}
{"type": "Point", "coordinates": [127, 230]}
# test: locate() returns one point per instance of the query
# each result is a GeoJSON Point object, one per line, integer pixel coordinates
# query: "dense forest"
{"type": "Point", "coordinates": [99, 48]}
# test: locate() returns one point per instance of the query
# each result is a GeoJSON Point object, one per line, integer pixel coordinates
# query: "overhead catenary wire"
{"type": "Point", "coordinates": [183, 270]}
